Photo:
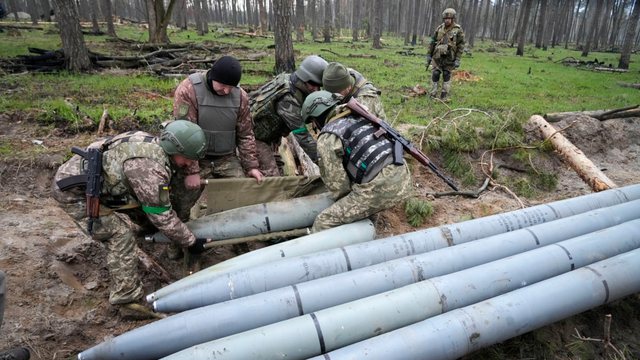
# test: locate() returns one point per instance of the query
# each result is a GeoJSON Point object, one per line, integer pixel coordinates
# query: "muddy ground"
{"type": "Point", "coordinates": [58, 281]}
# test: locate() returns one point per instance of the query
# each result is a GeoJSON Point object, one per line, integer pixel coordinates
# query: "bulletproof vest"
{"type": "Point", "coordinates": [364, 154]}
{"type": "Point", "coordinates": [134, 144]}
{"type": "Point", "coordinates": [267, 125]}
{"type": "Point", "coordinates": [446, 42]}
{"type": "Point", "coordinates": [217, 116]}
{"type": "Point", "coordinates": [362, 85]}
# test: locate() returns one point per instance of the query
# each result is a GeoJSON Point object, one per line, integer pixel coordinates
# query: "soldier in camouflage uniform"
{"type": "Point", "coordinates": [444, 53]}
{"type": "Point", "coordinates": [349, 83]}
{"type": "Point", "coordinates": [356, 166]}
{"type": "Point", "coordinates": [137, 175]}
{"type": "Point", "coordinates": [216, 102]}
{"type": "Point", "coordinates": [275, 109]}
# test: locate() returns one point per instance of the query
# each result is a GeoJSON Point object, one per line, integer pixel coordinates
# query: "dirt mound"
{"type": "Point", "coordinates": [58, 280]}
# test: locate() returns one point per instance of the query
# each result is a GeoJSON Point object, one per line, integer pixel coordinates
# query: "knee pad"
{"type": "Point", "coordinates": [446, 75]}
{"type": "Point", "coordinates": [435, 75]}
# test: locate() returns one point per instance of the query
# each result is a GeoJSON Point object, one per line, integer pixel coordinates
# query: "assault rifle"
{"type": "Point", "coordinates": [399, 142]}
{"type": "Point", "coordinates": [93, 156]}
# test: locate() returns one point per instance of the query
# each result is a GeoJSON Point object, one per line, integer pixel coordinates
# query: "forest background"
{"type": "Point", "coordinates": [62, 71]}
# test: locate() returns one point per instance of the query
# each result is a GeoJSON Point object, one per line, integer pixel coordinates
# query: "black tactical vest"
{"type": "Point", "coordinates": [364, 154]}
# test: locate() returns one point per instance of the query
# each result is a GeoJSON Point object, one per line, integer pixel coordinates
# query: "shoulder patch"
{"type": "Point", "coordinates": [183, 110]}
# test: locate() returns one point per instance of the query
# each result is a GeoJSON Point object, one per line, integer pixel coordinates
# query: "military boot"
{"type": "Point", "coordinates": [434, 90]}
{"type": "Point", "coordinates": [444, 95]}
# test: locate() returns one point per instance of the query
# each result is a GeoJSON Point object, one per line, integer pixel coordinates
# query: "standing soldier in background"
{"type": "Point", "coordinates": [134, 172]}
{"type": "Point", "coordinates": [275, 109]}
{"type": "Point", "coordinates": [217, 103]}
{"type": "Point", "coordinates": [349, 83]}
{"type": "Point", "coordinates": [356, 165]}
{"type": "Point", "coordinates": [445, 51]}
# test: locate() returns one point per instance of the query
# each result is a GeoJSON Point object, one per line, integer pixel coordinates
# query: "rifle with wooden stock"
{"type": "Point", "coordinates": [399, 142]}
{"type": "Point", "coordinates": [93, 157]}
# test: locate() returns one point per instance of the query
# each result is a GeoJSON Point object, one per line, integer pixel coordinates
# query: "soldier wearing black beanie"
{"type": "Point", "coordinates": [226, 70]}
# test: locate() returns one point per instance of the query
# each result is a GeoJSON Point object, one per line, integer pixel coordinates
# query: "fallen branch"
{"type": "Point", "coordinates": [152, 266]}
{"type": "Point", "coordinates": [606, 342]}
{"type": "Point", "coordinates": [629, 85]}
{"type": "Point", "coordinates": [103, 120]}
{"type": "Point", "coordinates": [629, 111]}
{"type": "Point", "coordinates": [572, 155]}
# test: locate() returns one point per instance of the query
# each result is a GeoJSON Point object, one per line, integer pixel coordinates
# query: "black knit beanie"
{"type": "Point", "coordinates": [226, 70]}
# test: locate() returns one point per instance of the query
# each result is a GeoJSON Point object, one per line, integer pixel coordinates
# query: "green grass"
{"type": "Point", "coordinates": [486, 111]}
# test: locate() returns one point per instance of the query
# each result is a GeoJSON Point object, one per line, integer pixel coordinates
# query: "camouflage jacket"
{"type": "Point", "coordinates": [284, 116]}
{"type": "Point", "coordinates": [447, 45]}
{"type": "Point", "coordinates": [366, 93]}
{"type": "Point", "coordinates": [185, 106]}
{"type": "Point", "coordinates": [144, 181]}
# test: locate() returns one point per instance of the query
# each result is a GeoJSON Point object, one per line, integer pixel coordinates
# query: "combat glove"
{"type": "Point", "coordinates": [456, 63]}
{"type": "Point", "coordinates": [198, 246]}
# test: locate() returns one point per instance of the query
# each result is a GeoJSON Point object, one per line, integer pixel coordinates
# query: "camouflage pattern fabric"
{"type": "Point", "coordinates": [267, 158]}
{"type": "Point", "coordinates": [145, 178]}
{"type": "Point", "coordinates": [356, 201]}
{"type": "Point", "coordinates": [183, 199]}
{"type": "Point", "coordinates": [446, 46]}
{"type": "Point", "coordinates": [185, 106]}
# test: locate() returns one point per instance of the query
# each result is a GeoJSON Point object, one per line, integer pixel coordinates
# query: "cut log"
{"type": "Point", "coordinates": [309, 168]}
{"type": "Point", "coordinates": [630, 111]}
{"type": "Point", "coordinates": [587, 171]}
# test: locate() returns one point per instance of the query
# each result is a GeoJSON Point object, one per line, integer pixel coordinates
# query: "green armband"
{"type": "Point", "coordinates": [300, 130]}
{"type": "Point", "coordinates": [155, 209]}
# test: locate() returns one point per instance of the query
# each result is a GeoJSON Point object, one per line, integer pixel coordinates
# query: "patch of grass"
{"type": "Point", "coordinates": [5, 148]}
{"type": "Point", "coordinates": [417, 211]}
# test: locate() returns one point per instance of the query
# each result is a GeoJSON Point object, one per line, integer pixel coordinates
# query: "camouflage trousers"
{"type": "Point", "coordinates": [267, 154]}
{"type": "Point", "coordinates": [390, 187]}
{"type": "Point", "coordinates": [114, 229]}
{"type": "Point", "coordinates": [183, 200]}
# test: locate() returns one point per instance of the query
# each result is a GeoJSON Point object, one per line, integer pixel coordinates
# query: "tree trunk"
{"type": "Point", "coordinates": [158, 19]}
{"type": "Point", "coordinates": [627, 46]}
{"type": "Point", "coordinates": [285, 61]}
{"type": "Point", "coordinates": [573, 156]}
{"type": "Point", "coordinates": [542, 19]}
{"type": "Point", "coordinates": [591, 37]}
{"type": "Point", "coordinates": [377, 24]}
{"type": "Point", "coordinates": [264, 27]}
{"type": "Point", "coordinates": [33, 11]}
{"type": "Point", "coordinates": [355, 20]}
{"type": "Point", "coordinates": [76, 55]}
{"type": "Point", "coordinates": [407, 20]}
{"type": "Point", "coordinates": [95, 28]}
{"type": "Point", "coordinates": [414, 22]}
{"type": "Point", "coordinates": [299, 20]}
{"type": "Point", "coordinates": [108, 16]}
{"type": "Point", "coordinates": [234, 12]}
{"type": "Point", "coordinates": [326, 32]}
{"type": "Point", "coordinates": [523, 27]}
{"type": "Point", "coordinates": [46, 10]}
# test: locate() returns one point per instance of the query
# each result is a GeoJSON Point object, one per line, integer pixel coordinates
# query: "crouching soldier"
{"type": "Point", "coordinates": [114, 182]}
{"type": "Point", "coordinates": [355, 165]}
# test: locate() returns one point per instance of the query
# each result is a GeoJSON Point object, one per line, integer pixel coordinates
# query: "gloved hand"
{"type": "Point", "coordinates": [198, 246]}
{"type": "Point", "coordinates": [456, 63]}
{"type": "Point", "coordinates": [428, 62]}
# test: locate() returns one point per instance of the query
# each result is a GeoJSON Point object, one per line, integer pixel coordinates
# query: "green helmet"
{"type": "Point", "coordinates": [317, 104]}
{"type": "Point", "coordinates": [449, 13]}
{"type": "Point", "coordinates": [311, 69]}
{"type": "Point", "coordinates": [184, 138]}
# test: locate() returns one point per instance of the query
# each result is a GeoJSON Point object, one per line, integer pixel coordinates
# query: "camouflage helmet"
{"type": "Point", "coordinates": [449, 13]}
{"type": "Point", "coordinates": [317, 103]}
{"type": "Point", "coordinates": [311, 69]}
{"type": "Point", "coordinates": [184, 138]}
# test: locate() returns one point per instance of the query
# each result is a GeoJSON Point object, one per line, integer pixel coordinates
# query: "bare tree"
{"type": "Point", "coordinates": [76, 54]}
{"type": "Point", "coordinates": [299, 20]}
{"type": "Point", "coordinates": [314, 19]}
{"type": "Point", "coordinates": [377, 24]}
{"type": "Point", "coordinates": [159, 18]}
{"type": "Point", "coordinates": [632, 25]}
{"type": "Point", "coordinates": [591, 36]}
{"type": "Point", "coordinates": [355, 20]}
{"type": "Point", "coordinates": [542, 22]}
{"type": "Point", "coordinates": [523, 26]}
{"type": "Point", "coordinates": [234, 11]}
{"type": "Point", "coordinates": [326, 32]}
{"type": "Point", "coordinates": [108, 16]}
{"type": "Point", "coordinates": [263, 17]}
{"type": "Point", "coordinates": [285, 60]}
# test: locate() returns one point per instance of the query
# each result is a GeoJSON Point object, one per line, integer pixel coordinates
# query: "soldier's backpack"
{"type": "Point", "coordinates": [262, 104]}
